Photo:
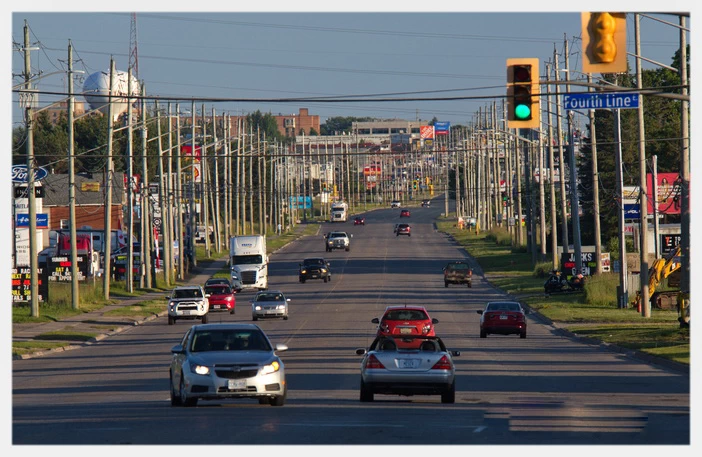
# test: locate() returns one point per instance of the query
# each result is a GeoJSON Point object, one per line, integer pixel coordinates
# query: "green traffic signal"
{"type": "Point", "coordinates": [522, 112]}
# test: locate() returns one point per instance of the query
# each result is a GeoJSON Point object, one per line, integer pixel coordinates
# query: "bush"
{"type": "Point", "coordinates": [601, 290]}
{"type": "Point", "coordinates": [500, 236]}
{"type": "Point", "coordinates": [543, 269]}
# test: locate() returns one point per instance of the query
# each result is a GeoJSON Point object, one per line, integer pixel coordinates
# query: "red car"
{"type": "Point", "coordinates": [405, 320]}
{"type": "Point", "coordinates": [405, 213]}
{"type": "Point", "coordinates": [504, 318]}
{"type": "Point", "coordinates": [359, 221]}
{"type": "Point", "coordinates": [221, 297]}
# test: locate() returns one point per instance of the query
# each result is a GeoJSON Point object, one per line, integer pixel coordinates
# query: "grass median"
{"type": "Point", "coordinates": [592, 313]}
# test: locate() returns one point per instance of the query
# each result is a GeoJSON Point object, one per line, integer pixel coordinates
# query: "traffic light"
{"type": "Point", "coordinates": [604, 42]}
{"type": "Point", "coordinates": [523, 100]}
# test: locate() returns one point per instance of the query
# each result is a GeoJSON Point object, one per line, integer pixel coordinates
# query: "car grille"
{"type": "Point", "coordinates": [235, 371]}
{"type": "Point", "coordinates": [223, 390]}
{"type": "Point", "coordinates": [248, 277]}
{"type": "Point", "coordinates": [187, 306]}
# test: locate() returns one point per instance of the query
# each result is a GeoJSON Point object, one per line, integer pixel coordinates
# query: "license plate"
{"type": "Point", "coordinates": [314, 276]}
{"type": "Point", "coordinates": [236, 384]}
{"type": "Point", "coordinates": [407, 363]}
{"type": "Point", "coordinates": [503, 318]}
{"type": "Point", "coordinates": [189, 312]}
{"type": "Point", "coordinates": [216, 306]}
{"type": "Point", "coordinates": [405, 331]}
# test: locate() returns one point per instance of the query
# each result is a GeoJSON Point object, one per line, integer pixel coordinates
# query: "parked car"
{"type": "Point", "coordinates": [269, 303]}
{"type": "Point", "coordinates": [426, 203]}
{"type": "Point", "coordinates": [187, 302]}
{"type": "Point", "coordinates": [424, 369]}
{"type": "Point", "coordinates": [405, 321]}
{"type": "Point", "coordinates": [405, 213]}
{"type": "Point", "coordinates": [359, 221]}
{"type": "Point", "coordinates": [221, 297]}
{"type": "Point", "coordinates": [504, 318]}
{"type": "Point", "coordinates": [395, 204]}
{"type": "Point", "coordinates": [226, 361]}
{"type": "Point", "coordinates": [458, 273]}
{"type": "Point", "coordinates": [315, 268]}
{"type": "Point", "coordinates": [337, 240]}
{"type": "Point", "coordinates": [403, 229]}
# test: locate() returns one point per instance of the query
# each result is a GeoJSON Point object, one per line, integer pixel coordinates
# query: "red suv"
{"type": "Point", "coordinates": [405, 320]}
{"type": "Point", "coordinates": [403, 229]}
{"type": "Point", "coordinates": [405, 213]}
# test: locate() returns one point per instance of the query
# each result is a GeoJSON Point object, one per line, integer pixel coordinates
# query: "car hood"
{"type": "Point", "coordinates": [269, 303]}
{"type": "Point", "coordinates": [253, 267]}
{"type": "Point", "coordinates": [232, 357]}
{"type": "Point", "coordinates": [188, 299]}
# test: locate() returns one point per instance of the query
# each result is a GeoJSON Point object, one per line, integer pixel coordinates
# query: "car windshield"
{"type": "Point", "coordinates": [269, 297]}
{"type": "Point", "coordinates": [247, 259]}
{"type": "Point", "coordinates": [187, 293]}
{"type": "Point", "coordinates": [403, 226]}
{"type": "Point", "coordinates": [337, 235]}
{"type": "Point", "coordinates": [313, 262]}
{"type": "Point", "coordinates": [218, 290]}
{"type": "Point", "coordinates": [229, 340]}
{"type": "Point", "coordinates": [458, 266]}
{"type": "Point", "coordinates": [503, 307]}
{"type": "Point", "coordinates": [405, 315]}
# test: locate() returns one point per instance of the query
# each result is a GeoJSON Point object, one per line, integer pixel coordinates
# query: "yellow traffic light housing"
{"type": "Point", "coordinates": [523, 100]}
{"type": "Point", "coordinates": [604, 42]}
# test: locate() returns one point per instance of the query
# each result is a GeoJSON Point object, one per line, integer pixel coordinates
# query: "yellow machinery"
{"type": "Point", "coordinates": [669, 267]}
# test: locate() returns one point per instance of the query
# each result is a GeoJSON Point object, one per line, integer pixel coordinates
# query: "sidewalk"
{"type": "Point", "coordinates": [96, 321]}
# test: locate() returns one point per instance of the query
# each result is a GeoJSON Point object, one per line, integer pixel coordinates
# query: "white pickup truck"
{"type": "Point", "coordinates": [337, 240]}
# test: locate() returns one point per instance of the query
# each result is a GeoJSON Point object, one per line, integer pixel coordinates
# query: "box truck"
{"type": "Point", "coordinates": [339, 212]}
{"type": "Point", "coordinates": [248, 262]}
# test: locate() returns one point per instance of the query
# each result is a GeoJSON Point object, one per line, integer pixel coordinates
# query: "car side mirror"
{"type": "Point", "coordinates": [375, 320]}
{"type": "Point", "coordinates": [351, 235]}
{"type": "Point", "coordinates": [288, 299]}
{"type": "Point", "coordinates": [480, 311]}
{"type": "Point", "coordinates": [168, 297]}
{"type": "Point", "coordinates": [455, 353]}
{"type": "Point", "coordinates": [177, 349]}
{"type": "Point", "coordinates": [281, 347]}
{"type": "Point", "coordinates": [360, 351]}
{"type": "Point", "coordinates": [435, 321]}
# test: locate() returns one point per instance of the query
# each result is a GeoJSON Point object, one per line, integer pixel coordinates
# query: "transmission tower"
{"type": "Point", "coordinates": [133, 53]}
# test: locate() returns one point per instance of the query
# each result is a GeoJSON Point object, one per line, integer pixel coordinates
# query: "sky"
{"type": "Point", "coordinates": [253, 56]}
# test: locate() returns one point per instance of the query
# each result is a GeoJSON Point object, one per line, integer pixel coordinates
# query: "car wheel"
{"type": "Point", "coordinates": [302, 281]}
{"type": "Point", "coordinates": [285, 318]}
{"type": "Point", "coordinates": [522, 334]}
{"type": "Point", "coordinates": [470, 285]}
{"type": "Point", "coordinates": [205, 318]}
{"type": "Point", "coordinates": [175, 400]}
{"type": "Point", "coordinates": [409, 234]}
{"type": "Point", "coordinates": [445, 284]}
{"type": "Point", "coordinates": [254, 318]}
{"type": "Point", "coordinates": [279, 400]}
{"type": "Point", "coordinates": [347, 249]}
{"type": "Point", "coordinates": [233, 311]}
{"type": "Point", "coordinates": [171, 320]}
{"type": "Point", "coordinates": [483, 334]}
{"type": "Point", "coordinates": [329, 278]}
{"type": "Point", "coordinates": [450, 395]}
{"type": "Point", "coordinates": [326, 279]}
{"type": "Point", "coordinates": [183, 394]}
{"type": "Point", "coordinates": [263, 400]}
{"type": "Point", "coordinates": [366, 393]}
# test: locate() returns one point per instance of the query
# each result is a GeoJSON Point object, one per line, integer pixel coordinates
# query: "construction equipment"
{"type": "Point", "coordinates": [667, 267]}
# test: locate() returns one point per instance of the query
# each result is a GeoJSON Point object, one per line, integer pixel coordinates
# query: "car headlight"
{"type": "Point", "coordinates": [257, 307]}
{"type": "Point", "coordinates": [280, 307]}
{"type": "Point", "coordinates": [324, 270]}
{"type": "Point", "coordinates": [303, 271]}
{"type": "Point", "coordinates": [200, 369]}
{"type": "Point", "coordinates": [272, 368]}
{"type": "Point", "coordinates": [235, 277]}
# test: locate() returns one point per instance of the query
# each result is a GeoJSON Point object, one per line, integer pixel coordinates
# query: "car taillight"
{"type": "Point", "coordinates": [373, 362]}
{"type": "Point", "coordinates": [426, 328]}
{"type": "Point", "coordinates": [443, 364]}
{"type": "Point", "coordinates": [385, 328]}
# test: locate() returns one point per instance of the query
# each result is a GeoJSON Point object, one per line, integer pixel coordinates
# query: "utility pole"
{"type": "Point", "coordinates": [146, 229]}
{"type": "Point", "coordinates": [205, 183]}
{"type": "Point", "coordinates": [129, 273]}
{"type": "Point", "coordinates": [191, 238]}
{"type": "Point", "coordinates": [215, 194]}
{"type": "Point", "coordinates": [31, 197]}
{"type": "Point", "coordinates": [75, 290]}
{"type": "Point", "coordinates": [107, 273]}
{"type": "Point", "coordinates": [684, 184]}
{"type": "Point", "coordinates": [595, 183]}
{"type": "Point", "coordinates": [179, 197]}
{"type": "Point", "coordinates": [552, 173]}
{"type": "Point", "coordinates": [163, 201]}
{"type": "Point", "coordinates": [574, 200]}
{"type": "Point", "coordinates": [623, 295]}
{"type": "Point", "coordinates": [559, 132]}
{"type": "Point", "coordinates": [643, 195]}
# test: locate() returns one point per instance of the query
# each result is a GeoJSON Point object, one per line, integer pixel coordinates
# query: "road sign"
{"type": "Point", "coordinates": [601, 100]}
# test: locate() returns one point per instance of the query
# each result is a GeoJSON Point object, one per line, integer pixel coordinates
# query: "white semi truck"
{"type": "Point", "coordinates": [339, 212]}
{"type": "Point", "coordinates": [248, 262]}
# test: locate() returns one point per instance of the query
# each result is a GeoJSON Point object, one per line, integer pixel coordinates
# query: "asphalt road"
{"type": "Point", "coordinates": [546, 389]}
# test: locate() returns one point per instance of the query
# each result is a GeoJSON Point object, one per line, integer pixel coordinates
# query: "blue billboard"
{"type": "Point", "coordinates": [300, 202]}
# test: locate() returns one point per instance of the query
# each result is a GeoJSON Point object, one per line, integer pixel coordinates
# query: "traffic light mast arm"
{"type": "Point", "coordinates": [615, 88]}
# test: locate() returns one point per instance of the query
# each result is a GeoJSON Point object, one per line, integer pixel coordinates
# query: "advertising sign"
{"type": "Point", "coordinates": [59, 269]}
{"type": "Point", "coordinates": [22, 220]}
{"type": "Point", "coordinates": [669, 242]}
{"type": "Point", "coordinates": [442, 128]}
{"type": "Point", "coordinates": [668, 193]}
{"type": "Point", "coordinates": [632, 211]}
{"type": "Point", "coordinates": [568, 265]}
{"type": "Point", "coordinates": [20, 175]}
{"type": "Point", "coordinates": [300, 202]}
{"type": "Point", "coordinates": [426, 132]}
{"type": "Point", "coordinates": [21, 285]}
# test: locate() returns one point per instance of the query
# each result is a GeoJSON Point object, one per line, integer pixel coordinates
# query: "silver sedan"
{"type": "Point", "coordinates": [269, 303]}
{"type": "Point", "coordinates": [226, 361]}
{"type": "Point", "coordinates": [408, 366]}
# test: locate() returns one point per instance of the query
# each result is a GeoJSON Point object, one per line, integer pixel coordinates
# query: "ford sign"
{"type": "Point", "coordinates": [19, 173]}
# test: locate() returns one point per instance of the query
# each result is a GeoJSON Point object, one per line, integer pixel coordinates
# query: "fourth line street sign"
{"type": "Point", "coordinates": [601, 100]}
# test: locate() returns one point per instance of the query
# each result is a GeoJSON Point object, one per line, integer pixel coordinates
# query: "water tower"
{"type": "Point", "coordinates": [96, 90]}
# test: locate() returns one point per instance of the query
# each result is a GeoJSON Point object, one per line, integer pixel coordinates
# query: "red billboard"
{"type": "Point", "coordinates": [668, 193]}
